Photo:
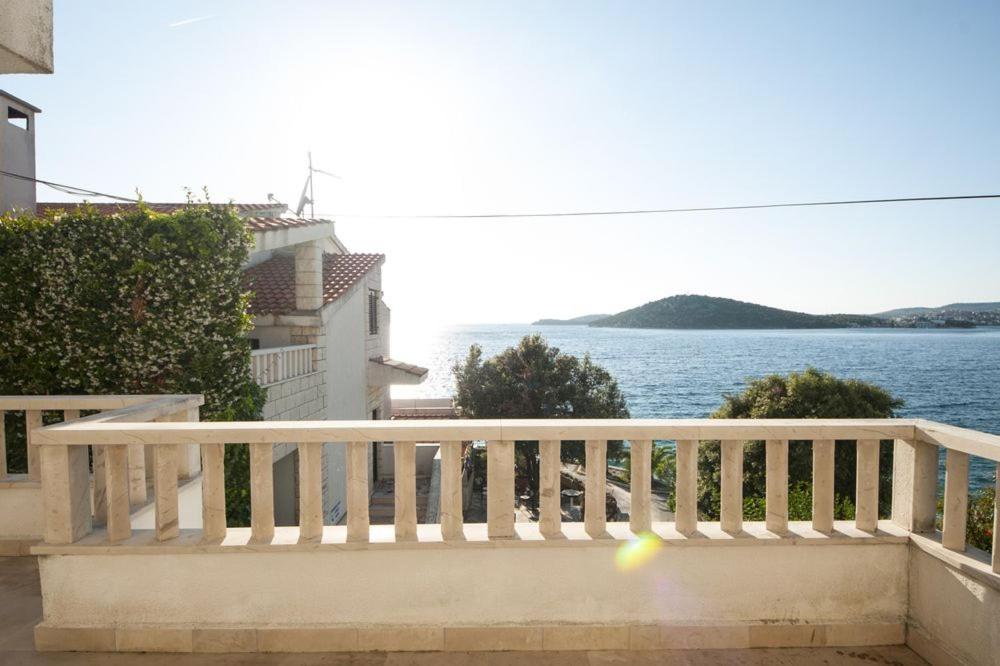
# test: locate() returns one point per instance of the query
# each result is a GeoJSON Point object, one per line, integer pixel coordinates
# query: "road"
{"type": "Point", "coordinates": [659, 510]}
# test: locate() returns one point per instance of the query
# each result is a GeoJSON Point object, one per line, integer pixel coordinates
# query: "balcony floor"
{"type": "Point", "coordinates": [21, 610]}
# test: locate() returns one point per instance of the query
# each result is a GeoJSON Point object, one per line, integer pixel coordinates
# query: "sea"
{"type": "Point", "coordinates": [946, 375]}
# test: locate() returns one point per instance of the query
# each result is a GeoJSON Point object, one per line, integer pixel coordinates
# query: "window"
{"type": "Point", "coordinates": [17, 118]}
{"type": "Point", "coordinates": [373, 298]}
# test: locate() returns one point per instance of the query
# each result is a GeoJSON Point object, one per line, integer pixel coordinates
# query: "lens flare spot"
{"type": "Point", "coordinates": [636, 552]}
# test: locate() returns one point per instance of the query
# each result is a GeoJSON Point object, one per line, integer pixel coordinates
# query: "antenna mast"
{"type": "Point", "coordinates": [308, 186]}
{"type": "Point", "coordinates": [312, 205]}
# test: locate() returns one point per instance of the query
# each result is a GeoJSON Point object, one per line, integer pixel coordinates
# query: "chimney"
{"type": "Point", "coordinates": [309, 276]}
{"type": "Point", "coordinates": [17, 153]}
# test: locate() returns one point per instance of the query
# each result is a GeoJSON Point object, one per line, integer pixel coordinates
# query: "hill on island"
{"type": "Point", "coordinates": [951, 307]}
{"type": "Point", "coordinates": [575, 321]}
{"type": "Point", "coordinates": [701, 312]}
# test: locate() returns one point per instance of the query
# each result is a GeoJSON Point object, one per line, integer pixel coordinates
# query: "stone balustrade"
{"type": "Point", "coordinates": [22, 522]}
{"type": "Point", "coordinates": [278, 364]}
{"type": "Point", "coordinates": [514, 585]}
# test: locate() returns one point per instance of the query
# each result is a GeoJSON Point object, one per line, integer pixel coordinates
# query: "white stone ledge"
{"type": "Point", "coordinates": [973, 562]}
{"type": "Point", "coordinates": [402, 638]}
{"type": "Point", "coordinates": [527, 535]}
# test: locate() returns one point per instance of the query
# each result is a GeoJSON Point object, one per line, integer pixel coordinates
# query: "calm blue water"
{"type": "Point", "coordinates": [952, 376]}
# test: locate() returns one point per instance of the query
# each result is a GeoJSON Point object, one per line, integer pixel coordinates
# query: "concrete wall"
{"type": "Point", "coordinates": [954, 614]}
{"type": "Point", "coordinates": [728, 596]}
{"type": "Point", "coordinates": [301, 398]}
{"type": "Point", "coordinates": [17, 155]}
{"type": "Point", "coordinates": [26, 37]}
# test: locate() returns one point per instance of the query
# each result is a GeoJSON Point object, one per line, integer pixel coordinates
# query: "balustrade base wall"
{"type": "Point", "coordinates": [571, 597]}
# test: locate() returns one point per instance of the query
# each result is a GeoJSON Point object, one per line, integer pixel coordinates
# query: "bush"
{"type": "Point", "coordinates": [805, 395]}
{"type": "Point", "coordinates": [536, 381]}
{"type": "Point", "coordinates": [136, 302]}
{"type": "Point", "coordinates": [979, 529]}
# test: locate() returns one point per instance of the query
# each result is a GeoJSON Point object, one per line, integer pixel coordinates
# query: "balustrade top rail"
{"type": "Point", "coordinates": [169, 424]}
{"type": "Point", "coordinates": [116, 429]}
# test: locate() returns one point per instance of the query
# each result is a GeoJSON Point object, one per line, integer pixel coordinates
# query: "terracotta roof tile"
{"type": "Point", "coordinates": [258, 216]}
{"type": "Point", "coordinates": [273, 281]}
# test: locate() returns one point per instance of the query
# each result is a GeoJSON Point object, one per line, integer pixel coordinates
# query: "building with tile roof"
{"type": "Point", "coordinates": [321, 332]}
{"type": "Point", "coordinates": [321, 338]}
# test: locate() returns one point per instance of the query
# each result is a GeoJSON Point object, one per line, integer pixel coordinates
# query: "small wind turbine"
{"type": "Point", "coordinates": [308, 186]}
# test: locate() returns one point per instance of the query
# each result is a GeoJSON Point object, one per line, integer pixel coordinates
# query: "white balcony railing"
{"type": "Point", "coordinates": [278, 364]}
{"type": "Point", "coordinates": [707, 588]}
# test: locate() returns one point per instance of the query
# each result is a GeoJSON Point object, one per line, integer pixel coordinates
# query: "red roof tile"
{"type": "Point", "coordinates": [258, 216]}
{"type": "Point", "coordinates": [273, 281]}
{"type": "Point", "coordinates": [274, 223]}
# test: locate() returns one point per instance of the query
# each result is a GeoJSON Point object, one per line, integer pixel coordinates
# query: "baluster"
{"type": "Point", "coordinates": [262, 492]}
{"type": "Point", "coordinates": [640, 483]}
{"type": "Point", "coordinates": [118, 521]}
{"type": "Point", "coordinates": [776, 479]}
{"type": "Point", "coordinates": [213, 492]}
{"type": "Point", "coordinates": [99, 493]}
{"type": "Point", "coordinates": [914, 485]}
{"type": "Point", "coordinates": [32, 420]}
{"type": "Point", "coordinates": [866, 492]}
{"type": "Point", "coordinates": [357, 491]}
{"type": "Point", "coordinates": [310, 491]}
{"type": "Point", "coordinates": [686, 502]}
{"type": "Point", "coordinates": [100, 485]}
{"type": "Point", "coordinates": [188, 455]}
{"type": "Point", "coordinates": [956, 499]}
{"type": "Point", "coordinates": [137, 473]}
{"type": "Point", "coordinates": [822, 499]}
{"type": "Point", "coordinates": [550, 487]}
{"type": "Point", "coordinates": [3, 443]}
{"type": "Point", "coordinates": [595, 511]}
{"type": "Point", "coordinates": [451, 490]}
{"type": "Point", "coordinates": [404, 468]}
{"type": "Point", "coordinates": [731, 503]}
{"type": "Point", "coordinates": [65, 479]}
{"type": "Point", "coordinates": [500, 489]}
{"type": "Point", "coordinates": [165, 491]}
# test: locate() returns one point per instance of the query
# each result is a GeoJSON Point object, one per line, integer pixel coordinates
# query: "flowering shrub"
{"type": "Point", "coordinates": [136, 302]}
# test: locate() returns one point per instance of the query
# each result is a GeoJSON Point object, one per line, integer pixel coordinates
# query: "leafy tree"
{"type": "Point", "coordinates": [536, 381]}
{"type": "Point", "coordinates": [135, 302]}
{"type": "Point", "coordinates": [807, 395]}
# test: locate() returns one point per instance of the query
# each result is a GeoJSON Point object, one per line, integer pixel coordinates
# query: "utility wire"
{"type": "Point", "coordinates": [654, 211]}
{"type": "Point", "coordinates": [69, 189]}
{"type": "Point", "coordinates": [79, 191]}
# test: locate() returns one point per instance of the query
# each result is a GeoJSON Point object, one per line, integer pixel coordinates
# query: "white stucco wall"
{"type": "Point", "coordinates": [954, 614]}
{"type": "Point", "coordinates": [17, 155]}
{"type": "Point", "coordinates": [26, 37]}
{"type": "Point", "coordinates": [523, 586]}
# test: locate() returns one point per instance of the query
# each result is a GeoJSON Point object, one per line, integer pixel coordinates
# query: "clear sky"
{"type": "Point", "coordinates": [511, 107]}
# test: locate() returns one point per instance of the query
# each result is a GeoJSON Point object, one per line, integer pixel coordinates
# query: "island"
{"type": "Point", "coordinates": [692, 311]}
{"type": "Point", "coordinates": [700, 312]}
{"type": "Point", "coordinates": [585, 320]}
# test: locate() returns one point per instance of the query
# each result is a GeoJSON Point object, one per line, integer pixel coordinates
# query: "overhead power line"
{"type": "Point", "coordinates": [80, 191]}
{"type": "Point", "coordinates": [661, 211]}
{"type": "Point", "coordinates": [68, 189]}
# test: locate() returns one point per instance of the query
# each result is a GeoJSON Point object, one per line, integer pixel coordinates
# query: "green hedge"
{"type": "Point", "coordinates": [137, 302]}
